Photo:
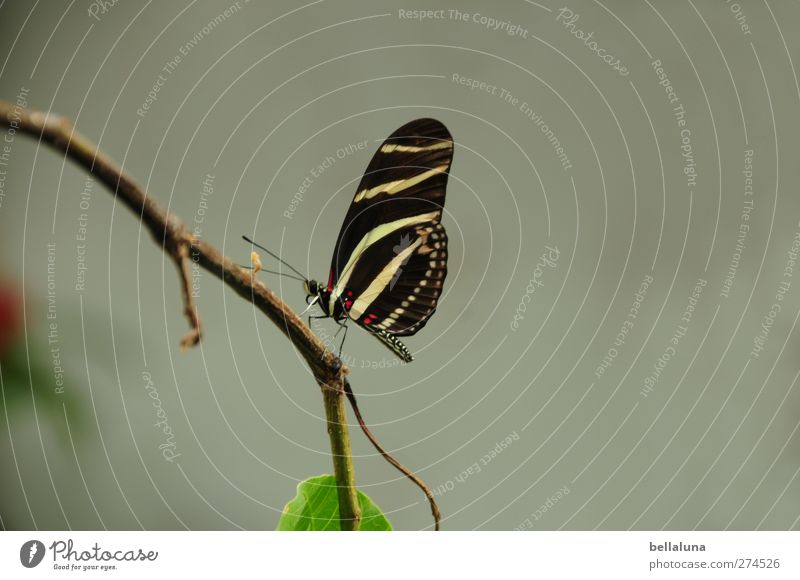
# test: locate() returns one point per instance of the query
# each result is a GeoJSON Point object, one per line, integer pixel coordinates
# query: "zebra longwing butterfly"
{"type": "Point", "coordinates": [390, 259]}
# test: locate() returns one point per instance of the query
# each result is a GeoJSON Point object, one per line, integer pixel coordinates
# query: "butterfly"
{"type": "Point", "coordinates": [390, 258]}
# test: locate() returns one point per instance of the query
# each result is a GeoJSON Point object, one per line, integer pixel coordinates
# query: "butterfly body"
{"type": "Point", "coordinates": [390, 259]}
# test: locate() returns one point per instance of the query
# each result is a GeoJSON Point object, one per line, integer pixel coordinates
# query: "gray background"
{"type": "Point", "coordinates": [262, 98]}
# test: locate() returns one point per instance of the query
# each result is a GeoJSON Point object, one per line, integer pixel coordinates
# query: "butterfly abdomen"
{"type": "Point", "coordinates": [394, 345]}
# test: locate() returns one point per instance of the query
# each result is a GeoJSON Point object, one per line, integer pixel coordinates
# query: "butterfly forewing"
{"type": "Point", "coordinates": [390, 259]}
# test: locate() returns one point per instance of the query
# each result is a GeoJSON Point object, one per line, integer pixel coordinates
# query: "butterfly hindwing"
{"type": "Point", "coordinates": [403, 296]}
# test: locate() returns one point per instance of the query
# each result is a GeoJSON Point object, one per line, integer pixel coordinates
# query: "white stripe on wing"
{"type": "Point", "coordinates": [371, 237]}
{"type": "Point", "coordinates": [380, 282]}
{"type": "Point", "coordinates": [398, 185]}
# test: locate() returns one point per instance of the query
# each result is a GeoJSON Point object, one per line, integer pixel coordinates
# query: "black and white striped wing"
{"type": "Point", "coordinates": [390, 259]}
{"type": "Point", "coordinates": [403, 295]}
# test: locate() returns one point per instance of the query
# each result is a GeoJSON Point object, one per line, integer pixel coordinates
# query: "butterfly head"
{"type": "Point", "coordinates": [315, 292]}
{"type": "Point", "coordinates": [311, 287]}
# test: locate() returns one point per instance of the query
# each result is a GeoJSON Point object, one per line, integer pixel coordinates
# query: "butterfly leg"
{"type": "Point", "coordinates": [342, 325]}
{"type": "Point", "coordinates": [311, 317]}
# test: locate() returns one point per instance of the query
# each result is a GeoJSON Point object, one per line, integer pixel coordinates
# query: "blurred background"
{"type": "Point", "coordinates": [617, 344]}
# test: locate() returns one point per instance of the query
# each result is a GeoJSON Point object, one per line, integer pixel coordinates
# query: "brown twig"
{"type": "Point", "coordinates": [437, 515]}
{"type": "Point", "coordinates": [176, 240]}
{"type": "Point", "coordinates": [181, 258]}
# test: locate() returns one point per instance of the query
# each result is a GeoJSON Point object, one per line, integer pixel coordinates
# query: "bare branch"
{"type": "Point", "coordinates": [181, 258]}
{"type": "Point", "coordinates": [176, 239]}
{"type": "Point", "coordinates": [437, 515]}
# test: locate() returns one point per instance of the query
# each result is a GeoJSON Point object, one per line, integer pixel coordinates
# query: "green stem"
{"type": "Point", "coordinates": [335, 412]}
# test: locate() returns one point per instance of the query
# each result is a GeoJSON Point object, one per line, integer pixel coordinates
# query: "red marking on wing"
{"type": "Point", "coordinates": [330, 282]}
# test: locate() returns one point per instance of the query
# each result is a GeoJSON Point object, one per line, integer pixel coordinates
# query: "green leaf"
{"type": "Point", "coordinates": [316, 508]}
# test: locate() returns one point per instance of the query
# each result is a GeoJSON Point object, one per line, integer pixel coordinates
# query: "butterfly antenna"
{"type": "Point", "coordinates": [274, 272]}
{"type": "Point", "coordinates": [282, 261]}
